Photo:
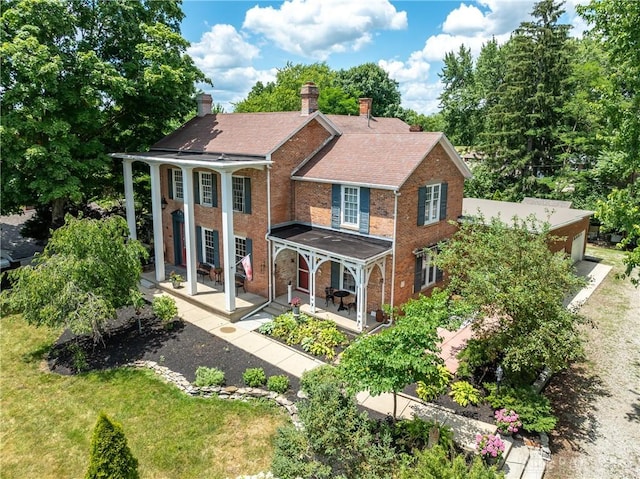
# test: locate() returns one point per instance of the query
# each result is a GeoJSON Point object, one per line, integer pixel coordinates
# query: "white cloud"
{"type": "Point", "coordinates": [227, 58]}
{"type": "Point", "coordinates": [464, 19]}
{"type": "Point", "coordinates": [317, 28]}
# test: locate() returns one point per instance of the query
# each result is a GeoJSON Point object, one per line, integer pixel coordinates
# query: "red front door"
{"type": "Point", "coordinates": [303, 274]}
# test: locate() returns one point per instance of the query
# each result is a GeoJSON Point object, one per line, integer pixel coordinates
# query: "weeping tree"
{"type": "Point", "coordinates": [87, 270]}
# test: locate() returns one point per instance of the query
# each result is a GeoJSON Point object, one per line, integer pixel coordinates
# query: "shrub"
{"type": "Point", "coordinates": [278, 384]}
{"type": "Point", "coordinates": [165, 309]}
{"type": "Point", "coordinates": [428, 392]}
{"type": "Point", "coordinates": [209, 376]}
{"type": "Point", "coordinates": [267, 328]}
{"type": "Point", "coordinates": [464, 393]}
{"type": "Point", "coordinates": [254, 377]}
{"type": "Point", "coordinates": [534, 410]}
{"type": "Point", "coordinates": [417, 434]}
{"type": "Point", "coordinates": [437, 462]}
{"type": "Point", "coordinates": [79, 357]}
{"type": "Point", "coordinates": [110, 455]}
{"type": "Point", "coordinates": [324, 374]}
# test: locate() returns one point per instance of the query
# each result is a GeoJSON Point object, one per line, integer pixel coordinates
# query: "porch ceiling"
{"type": "Point", "coordinates": [334, 243]}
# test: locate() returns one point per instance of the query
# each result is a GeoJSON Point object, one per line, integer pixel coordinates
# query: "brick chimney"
{"type": "Point", "coordinates": [415, 128]}
{"type": "Point", "coordinates": [204, 104]}
{"type": "Point", "coordinates": [309, 98]}
{"type": "Point", "coordinates": [365, 106]}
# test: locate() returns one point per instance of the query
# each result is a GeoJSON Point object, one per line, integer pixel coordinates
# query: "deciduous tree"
{"type": "Point", "coordinates": [81, 79]}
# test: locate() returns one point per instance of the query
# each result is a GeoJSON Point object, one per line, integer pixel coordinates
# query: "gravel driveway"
{"type": "Point", "coordinates": [598, 401]}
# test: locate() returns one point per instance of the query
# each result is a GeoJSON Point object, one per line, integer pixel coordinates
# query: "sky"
{"type": "Point", "coordinates": [237, 43]}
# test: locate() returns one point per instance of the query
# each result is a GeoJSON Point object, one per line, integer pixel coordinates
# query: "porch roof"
{"type": "Point", "coordinates": [334, 243]}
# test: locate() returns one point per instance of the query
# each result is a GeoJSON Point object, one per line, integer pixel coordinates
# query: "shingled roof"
{"type": "Point", "coordinates": [254, 134]}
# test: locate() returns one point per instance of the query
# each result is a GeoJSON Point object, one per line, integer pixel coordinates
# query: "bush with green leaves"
{"type": "Point", "coordinates": [279, 383]}
{"type": "Point", "coordinates": [410, 435]}
{"type": "Point", "coordinates": [464, 393]}
{"type": "Point", "coordinates": [322, 448]}
{"type": "Point", "coordinates": [254, 377]}
{"type": "Point", "coordinates": [110, 454]}
{"type": "Point", "coordinates": [438, 385]}
{"type": "Point", "coordinates": [165, 309]}
{"type": "Point", "coordinates": [437, 463]}
{"type": "Point", "coordinates": [319, 376]}
{"type": "Point", "coordinates": [209, 377]}
{"type": "Point", "coordinates": [316, 336]}
{"type": "Point", "coordinates": [534, 409]}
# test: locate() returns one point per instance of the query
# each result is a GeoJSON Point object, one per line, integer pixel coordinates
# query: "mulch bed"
{"type": "Point", "coordinates": [182, 349]}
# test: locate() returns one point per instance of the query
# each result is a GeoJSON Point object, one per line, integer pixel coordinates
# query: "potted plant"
{"type": "Point", "coordinates": [176, 279]}
{"type": "Point", "coordinates": [490, 447]}
{"type": "Point", "coordinates": [295, 304]}
{"type": "Point", "coordinates": [508, 422]}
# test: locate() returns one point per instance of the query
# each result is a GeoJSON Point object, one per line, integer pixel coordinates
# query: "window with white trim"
{"type": "Point", "coordinates": [208, 246]}
{"type": "Point", "coordinates": [241, 249]}
{"type": "Point", "coordinates": [350, 205]}
{"type": "Point", "coordinates": [178, 186]}
{"type": "Point", "coordinates": [432, 204]}
{"type": "Point", "coordinates": [206, 189]}
{"type": "Point", "coordinates": [429, 270]}
{"type": "Point", "coordinates": [348, 282]}
{"type": "Point", "coordinates": [238, 193]}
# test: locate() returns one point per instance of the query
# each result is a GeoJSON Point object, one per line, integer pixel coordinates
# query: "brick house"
{"type": "Point", "coordinates": [351, 202]}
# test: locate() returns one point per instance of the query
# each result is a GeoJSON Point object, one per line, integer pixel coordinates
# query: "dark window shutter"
{"type": "Point", "coordinates": [364, 210]}
{"type": "Point", "coordinates": [247, 195]}
{"type": "Point", "coordinates": [443, 201]}
{"type": "Point", "coordinates": [170, 177]}
{"type": "Point", "coordinates": [196, 187]}
{"type": "Point", "coordinates": [336, 191]}
{"type": "Point", "coordinates": [335, 275]}
{"type": "Point", "coordinates": [249, 246]}
{"type": "Point", "coordinates": [417, 281]}
{"type": "Point", "coordinates": [216, 249]}
{"type": "Point", "coordinates": [422, 197]}
{"type": "Point", "coordinates": [214, 190]}
{"type": "Point", "coordinates": [439, 275]}
{"type": "Point", "coordinates": [199, 243]}
{"type": "Point", "coordinates": [177, 241]}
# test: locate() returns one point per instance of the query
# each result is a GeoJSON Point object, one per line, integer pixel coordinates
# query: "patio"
{"type": "Point", "coordinates": [210, 296]}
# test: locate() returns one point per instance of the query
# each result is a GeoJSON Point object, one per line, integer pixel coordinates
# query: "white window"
{"type": "Point", "coordinates": [241, 249]}
{"type": "Point", "coordinates": [206, 189]}
{"type": "Point", "coordinates": [208, 246]}
{"type": "Point", "coordinates": [238, 193]}
{"type": "Point", "coordinates": [350, 205]}
{"type": "Point", "coordinates": [348, 281]}
{"type": "Point", "coordinates": [432, 204]}
{"type": "Point", "coordinates": [178, 186]}
{"type": "Point", "coordinates": [429, 270]}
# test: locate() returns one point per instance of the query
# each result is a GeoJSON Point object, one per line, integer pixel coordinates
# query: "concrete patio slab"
{"type": "Point", "coordinates": [251, 342]}
{"type": "Point", "coordinates": [275, 353]}
{"type": "Point", "coordinates": [297, 365]}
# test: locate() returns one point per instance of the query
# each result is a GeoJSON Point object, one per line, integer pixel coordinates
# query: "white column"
{"type": "Point", "coordinates": [128, 197]}
{"type": "Point", "coordinates": [313, 268]}
{"type": "Point", "coordinates": [228, 241]}
{"type": "Point", "coordinates": [156, 209]}
{"type": "Point", "coordinates": [362, 300]}
{"type": "Point", "coordinates": [189, 231]}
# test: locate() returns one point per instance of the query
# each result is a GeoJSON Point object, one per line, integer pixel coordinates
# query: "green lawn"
{"type": "Point", "coordinates": [46, 420]}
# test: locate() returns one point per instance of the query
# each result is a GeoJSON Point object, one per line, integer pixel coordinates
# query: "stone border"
{"type": "Point", "coordinates": [222, 392]}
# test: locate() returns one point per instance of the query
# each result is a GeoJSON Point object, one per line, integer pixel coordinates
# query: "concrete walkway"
{"type": "Point", "coordinates": [243, 336]}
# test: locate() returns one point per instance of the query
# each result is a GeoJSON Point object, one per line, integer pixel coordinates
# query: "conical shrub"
{"type": "Point", "coordinates": [110, 458]}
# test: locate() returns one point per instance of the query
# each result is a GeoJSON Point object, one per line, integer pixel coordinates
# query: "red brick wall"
{"type": "Point", "coordinates": [436, 168]}
{"type": "Point", "coordinates": [566, 234]}
{"type": "Point", "coordinates": [290, 155]}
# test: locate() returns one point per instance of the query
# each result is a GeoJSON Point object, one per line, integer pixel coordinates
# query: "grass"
{"type": "Point", "coordinates": [46, 420]}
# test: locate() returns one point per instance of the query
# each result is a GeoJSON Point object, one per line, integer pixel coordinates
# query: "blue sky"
{"type": "Point", "coordinates": [237, 43]}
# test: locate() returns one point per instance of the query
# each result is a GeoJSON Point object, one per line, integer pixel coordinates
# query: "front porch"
{"type": "Point", "coordinates": [210, 296]}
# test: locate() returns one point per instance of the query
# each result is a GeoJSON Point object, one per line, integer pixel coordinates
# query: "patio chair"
{"type": "Point", "coordinates": [240, 283]}
{"type": "Point", "coordinates": [353, 305]}
{"type": "Point", "coordinates": [328, 296]}
{"type": "Point", "coordinates": [204, 270]}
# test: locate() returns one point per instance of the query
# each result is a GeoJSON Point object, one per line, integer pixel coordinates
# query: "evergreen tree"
{"type": "Point", "coordinates": [110, 457]}
{"type": "Point", "coordinates": [523, 139]}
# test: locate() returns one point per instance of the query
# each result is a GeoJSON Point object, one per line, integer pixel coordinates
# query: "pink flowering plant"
{"type": "Point", "coordinates": [296, 301]}
{"type": "Point", "coordinates": [508, 422]}
{"type": "Point", "coordinates": [489, 446]}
